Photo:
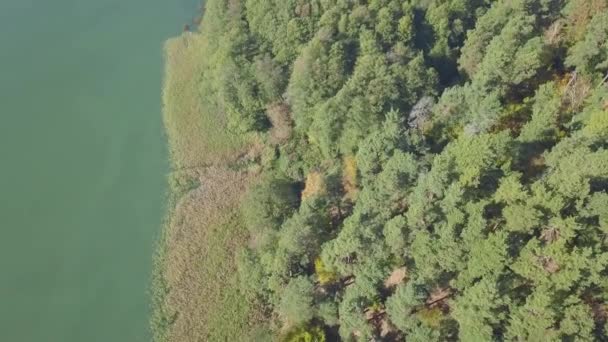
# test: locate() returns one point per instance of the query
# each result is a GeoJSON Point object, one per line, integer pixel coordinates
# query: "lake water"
{"type": "Point", "coordinates": [82, 174]}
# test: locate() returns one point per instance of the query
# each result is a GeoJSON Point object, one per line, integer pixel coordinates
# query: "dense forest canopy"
{"type": "Point", "coordinates": [427, 170]}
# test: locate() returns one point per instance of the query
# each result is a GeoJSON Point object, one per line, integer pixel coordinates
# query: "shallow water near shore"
{"type": "Point", "coordinates": [83, 165]}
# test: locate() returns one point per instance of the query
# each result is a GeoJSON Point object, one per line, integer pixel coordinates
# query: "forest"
{"type": "Point", "coordinates": [387, 170]}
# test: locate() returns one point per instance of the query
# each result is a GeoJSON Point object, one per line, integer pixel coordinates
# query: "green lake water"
{"type": "Point", "coordinates": [83, 165]}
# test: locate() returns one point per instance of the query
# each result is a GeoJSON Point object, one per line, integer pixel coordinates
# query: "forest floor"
{"type": "Point", "coordinates": [195, 286]}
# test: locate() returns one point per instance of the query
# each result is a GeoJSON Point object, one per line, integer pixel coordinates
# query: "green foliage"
{"type": "Point", "coordinates": [314, 334]}
{"type": "Point", "coordinates": [534, 320]}
{"type": "Point", "coordinates": [324, 276]}
{"type": "Point", "coordinates": [512, 57]}
{"type": "Point", "coordinates": [268, 204]}
{"type": "Point", "coordinates": [318, 73]}
{"type": "Point", "coordinates": [477, 311]}
{"type": "Point", "coordinates": [521, 218]}
{"type": "Point", "coordinates": [406, 310]}
{"type": "Point", "coordinates": [590, 55]}
{"type": "Point", "coordinates": [486, 28]}
{"type": "Point", "coordinates": [352, 319]}
{"type": "Point", "coordinates": [328, 312]}
{"type": "Point", "coordinates": [296, 301]}
{"type": "Point", "coordinates": [578, 323]}
{"type": "Point", "coordinates": [461, 142]}
{"type": "Point", "coordinates": [544, 123]}
{"type": "Point", "coordinates": [395, 233]}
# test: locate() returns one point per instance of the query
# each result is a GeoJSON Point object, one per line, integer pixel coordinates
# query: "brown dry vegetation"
{"type": "Point", "coordinates": [198, 298]}
{"type": "Point", "coordinates": [279, 117]}
{"type": "Point", "coordinates": [199, 269]}
{"type": "Point", "coordinates": [574, 89]}
{"type": "Point", "coordinates": [349, 177]}
{"type": "Point", "coordinates": [580, 14]}
{"type": "Point", "coordinates": [314, 185]}
{"type": "Point", "coordinates": [396, 277]}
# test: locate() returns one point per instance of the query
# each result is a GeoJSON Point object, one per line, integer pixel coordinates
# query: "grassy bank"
{"type": "Point", "coordinates": [194, 123]}
{"type": "Point", "coordinates": [195, 291]}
